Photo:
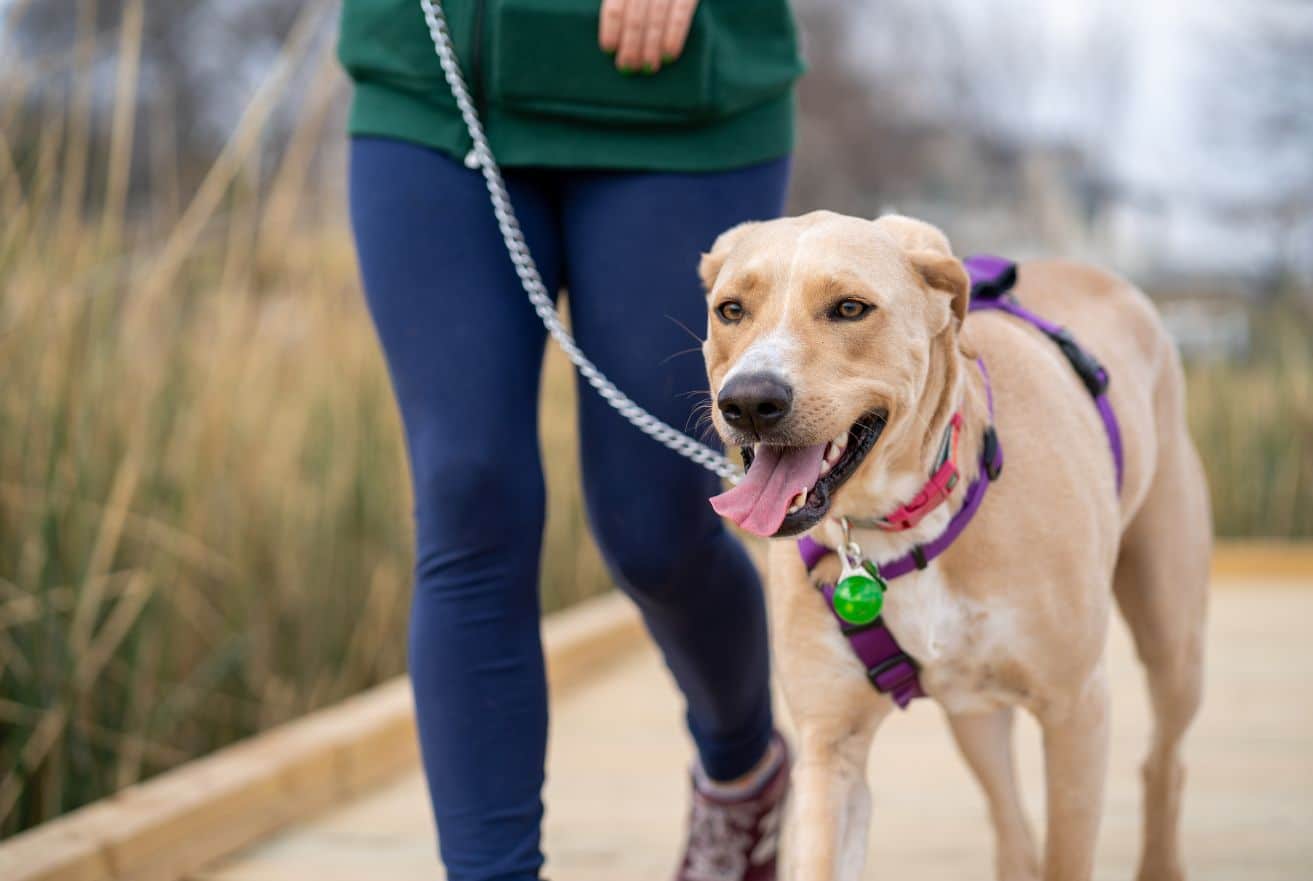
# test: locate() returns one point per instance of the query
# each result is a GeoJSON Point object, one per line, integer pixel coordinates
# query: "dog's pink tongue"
{"type": "Point", "coordinates": [761, 499]}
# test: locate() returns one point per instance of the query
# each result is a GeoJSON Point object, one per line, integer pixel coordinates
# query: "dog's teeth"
{"type": "Point", "coordinates": [825, 465]}
{"type": "Point", "coordinates": [841, 441]}
{"type": "Point", "coordinates": [796, 503]}
{"type": "Point", "coordinates": [832, 455]}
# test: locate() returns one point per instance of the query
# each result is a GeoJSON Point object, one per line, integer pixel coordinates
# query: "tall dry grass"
{"type": "Point", "coordinates": [1253, 423]}
{"type": "Point", "coordinates": [203, 507]}
{"type": "Point", "coordinates": [204, 523]}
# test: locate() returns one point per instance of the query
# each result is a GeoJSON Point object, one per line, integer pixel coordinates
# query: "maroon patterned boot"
{"type": "Point", "coordinates": [736, 838]}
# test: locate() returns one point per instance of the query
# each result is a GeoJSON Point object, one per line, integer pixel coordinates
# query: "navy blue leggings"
{"type": "Point", "coordinates": [464, 350]}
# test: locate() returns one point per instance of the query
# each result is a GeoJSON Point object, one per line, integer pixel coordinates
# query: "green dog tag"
{"type": "Point", "coordinates": [859, 596]}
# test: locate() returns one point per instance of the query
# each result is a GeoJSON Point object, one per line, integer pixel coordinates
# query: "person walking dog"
{"type": "Point", "coordinates": [631, 133]}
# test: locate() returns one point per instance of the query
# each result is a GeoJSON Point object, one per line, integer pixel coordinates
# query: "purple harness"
{"type": "Point", "coordinates": [992, 279]}
{"type": "Point", "coordinates": [890, 669]}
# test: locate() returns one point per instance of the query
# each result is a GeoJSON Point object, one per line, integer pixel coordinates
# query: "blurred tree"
{"type": "Point", "coordinates": [200, 65]}
{"type": "Point", "coordinates": [869, 133]}
{"type": "Point", "coordinates": [930, 109]}
{"type": "Point", "coordinates": [1260, 119]}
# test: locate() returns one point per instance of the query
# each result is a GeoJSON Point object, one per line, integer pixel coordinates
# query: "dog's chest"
{"type": "Point", "coordinates": [966, 649]}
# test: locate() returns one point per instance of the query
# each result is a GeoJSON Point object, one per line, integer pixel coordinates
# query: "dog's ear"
{"type": "Point", "coordinates": [914, 235]}
{"type": "Point", "coordinates": [712, 261]}
{"type": "Point", "coordinates": [931, 255]}
{"type": "Point", "coordinates": [945, 274]}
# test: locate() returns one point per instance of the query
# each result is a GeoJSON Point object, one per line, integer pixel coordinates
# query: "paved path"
{"type": "Point", "coordinates": [616, 790]}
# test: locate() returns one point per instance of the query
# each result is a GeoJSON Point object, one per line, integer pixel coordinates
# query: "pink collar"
{"type": "Point", "coordinates": [933, 494]}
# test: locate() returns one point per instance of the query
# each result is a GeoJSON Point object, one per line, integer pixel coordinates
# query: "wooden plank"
{"type": "Point", "coordinates": [60, 850]}
{"type": "Point", "coordinates": [165, 828]}
{"type": "Point", "coordinates": [1264, 559]}
{"type": "Point", "coordinates": [617, 787]}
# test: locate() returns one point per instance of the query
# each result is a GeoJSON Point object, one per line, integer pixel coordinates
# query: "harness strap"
{"type": "Point", "coordinates": [992, 279]}
{"type": "Point", "coordinates": [890, 669]}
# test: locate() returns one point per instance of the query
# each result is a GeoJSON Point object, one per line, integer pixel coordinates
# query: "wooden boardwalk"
{"type": "Point", "coordinates": [616, 790]}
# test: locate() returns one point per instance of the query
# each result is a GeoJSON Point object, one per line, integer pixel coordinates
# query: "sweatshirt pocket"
{"type": "Point", "coordinates": [546, 60]}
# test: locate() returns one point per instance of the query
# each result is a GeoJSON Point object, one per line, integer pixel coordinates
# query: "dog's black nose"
{"type": "Point", "coordinates": [755, 402]}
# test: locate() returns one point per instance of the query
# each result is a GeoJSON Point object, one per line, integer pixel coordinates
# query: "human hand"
{"type": "Point", "coordinates": [644, 34]}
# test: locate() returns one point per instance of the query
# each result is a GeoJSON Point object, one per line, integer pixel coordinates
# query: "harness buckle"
{"type": "Point", "coordinates": [992, 278]}
{"type": "Point", "coordinates": [918, 555]}
{"type": "Point", "coordinates": [1087, 367]}
{"type": "Point", "coordinates": [993, 461]}
{"type": "Point", "coordinates": [893, 661]}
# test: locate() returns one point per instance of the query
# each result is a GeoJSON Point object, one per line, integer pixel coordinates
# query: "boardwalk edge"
{"type": "Point", "coordinates": [1265, 559]}
{"type": "Point", "coordinates": [171, 825]}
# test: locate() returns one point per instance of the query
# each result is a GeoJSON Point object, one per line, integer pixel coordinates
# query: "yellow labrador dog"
{"type": "Point", "coordinates": [842, 359]}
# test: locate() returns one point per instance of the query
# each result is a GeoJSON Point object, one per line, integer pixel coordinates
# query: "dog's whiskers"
{"type": "Point", "coordinates": [674, 355]}
{"type": "Point", "coordinates": [861, 430]}
{"type": "Point", "coordinates": [686, 329]}
{"type": "Point", "coordinates": [706, 430]}
{"type": "Point", "coordinates": [700, 416]}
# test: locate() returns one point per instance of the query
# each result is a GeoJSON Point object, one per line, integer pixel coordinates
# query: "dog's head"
{"type": "Point", "coordinates": [819, 353]}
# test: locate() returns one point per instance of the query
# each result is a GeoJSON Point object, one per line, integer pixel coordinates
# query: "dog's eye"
{"type": "Point", "coordinates": [850, 310]}
{"type": "Point", "coordinates": [730, 311]}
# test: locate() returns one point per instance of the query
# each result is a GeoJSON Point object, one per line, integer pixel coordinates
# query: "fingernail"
{"type": "Point", "coordinates": [649, 69]}
{"type": "Point", "coordinates": [627, 71]}
{"type": "Point", "coordinates": [667, 58]}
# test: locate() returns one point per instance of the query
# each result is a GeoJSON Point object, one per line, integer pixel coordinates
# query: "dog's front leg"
{"type": "Point", "coordinates": [832, 803]}
{"type": "Point", "coordinates": [1075, 767]}
{"type": "Point", "coordinates": [836, 712]}
{"type": "Point", "coordinates": [985, 740]}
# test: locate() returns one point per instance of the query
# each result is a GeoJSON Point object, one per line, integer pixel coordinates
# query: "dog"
{"type": "Point", "coordinates": [847, 342]}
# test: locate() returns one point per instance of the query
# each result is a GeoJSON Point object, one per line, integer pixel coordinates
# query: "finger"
{"type": "Point", "coordinates": [654, 32]}
{"type": "Point", "coordinates": [609, 24]}
{"type": "Point", "coordinates": [631, 36]}
{"type": "Point", "coordinates": [677, 26]}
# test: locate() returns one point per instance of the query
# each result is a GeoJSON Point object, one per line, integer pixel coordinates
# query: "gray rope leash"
{"type": "Point", "coordinates": [527, 270]}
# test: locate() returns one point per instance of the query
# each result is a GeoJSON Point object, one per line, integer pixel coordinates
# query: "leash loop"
{"type": "Point", "coordinates": [517, 249]}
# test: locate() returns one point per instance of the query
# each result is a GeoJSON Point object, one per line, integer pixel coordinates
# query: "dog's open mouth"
{"type": "Point", "coordinates": [787, 490]}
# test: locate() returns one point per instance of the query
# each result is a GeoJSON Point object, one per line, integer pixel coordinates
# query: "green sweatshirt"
{"type": "Point", "coordinates": [549, 96]}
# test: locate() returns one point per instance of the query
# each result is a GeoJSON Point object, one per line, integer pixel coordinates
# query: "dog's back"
{"type": "Point", "coordinates": [1120, 326]}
